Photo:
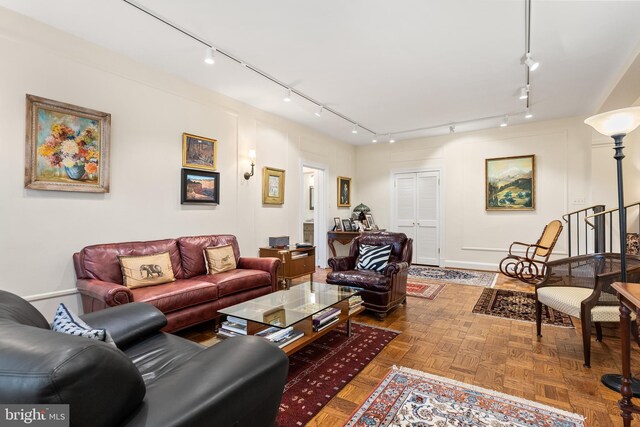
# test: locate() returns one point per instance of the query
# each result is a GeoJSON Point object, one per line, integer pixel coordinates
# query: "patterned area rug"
{"type": "Point", "coordinates": [407, 397]}
{"type": "Point", "coordinates": [485, 279]}
{"type": "Point", "coordinates": [424, 290]}
{"type": "Point", "coordinates": [320, 370]}
{"type": "Point", "coordinates": [516, 305]}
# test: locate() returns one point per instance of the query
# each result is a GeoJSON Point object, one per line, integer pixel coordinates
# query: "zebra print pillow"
{"type": "Point", "coordinates": [373, 258]}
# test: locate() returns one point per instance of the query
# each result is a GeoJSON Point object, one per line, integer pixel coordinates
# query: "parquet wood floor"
{"type": "Point", "coordinates": [443, 337]}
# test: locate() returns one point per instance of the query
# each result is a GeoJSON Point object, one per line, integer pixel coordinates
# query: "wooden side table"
{"type": "Point", "coordinates": [344, 237]}
{"type": "Point", "coordinates": [629, 296]}
{"type": "Point", "coordinates": [296, 262]}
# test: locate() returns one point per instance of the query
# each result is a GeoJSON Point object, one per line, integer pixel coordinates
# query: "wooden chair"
{"type": "Point", "coordinates": [532, 266]}
{"type": "Point", "coordinates": [580, 286]}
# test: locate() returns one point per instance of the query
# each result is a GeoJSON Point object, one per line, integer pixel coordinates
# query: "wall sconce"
{"type": "Point", "coordinates": [252, 156]}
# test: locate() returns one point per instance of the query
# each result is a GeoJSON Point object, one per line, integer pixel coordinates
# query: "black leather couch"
{"type": "Point", "coordinates": [152, 379]}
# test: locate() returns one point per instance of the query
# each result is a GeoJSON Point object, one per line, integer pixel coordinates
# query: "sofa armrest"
{"type": "Point", "coordinates": [394, 268]}
{"type": "Point", "coordinates": [270, 265]}
{"type": "Point", "coordinates": [342, 263]}
{"type": "Point", "coordinates": [127, 323]}
{"type": "Point", "coordinates": [238, 382]}
{"type": "Point", "coordinates": [107, 293]}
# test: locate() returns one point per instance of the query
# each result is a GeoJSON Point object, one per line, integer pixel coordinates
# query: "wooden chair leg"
{"type": "Point", "coordinates": [538, 318]}
{"type": "Point", "coordinates": [586, 341]}
{"type": "Point", "coordinates": [598, 331]}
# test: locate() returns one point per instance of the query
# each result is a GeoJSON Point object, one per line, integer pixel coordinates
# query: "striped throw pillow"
{"type": "Point", "coordinates": [373, 257]}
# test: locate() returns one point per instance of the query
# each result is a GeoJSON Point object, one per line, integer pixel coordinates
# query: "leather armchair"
{"type": "Point", "coordinates": [381, 291]}
{"type": "Point", "coordinates": [151, 379]}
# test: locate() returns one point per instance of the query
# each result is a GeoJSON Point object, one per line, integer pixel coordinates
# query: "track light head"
{"type": "Point", "coordinates": [391, 140]}
{"type": "Point", "coordinates": [533, 65]}
{"type": "Point", "coordinates": [287, 97]}
{"type": "Point", "coordinates": [355, 128]}
{"type": "Point", "coordinates": [505, 122]}
{"type": "Point", "coordinates": [375, 139]}
{"type": "Point", "coordinates": [452, 128]}
{"type": "Point", "coordinates": [527, 114]}
{"type": "Point", "coordinates": [319, 112]}
{"type": "Point", "coordinates": [524, 92]}
{"type": "Point", "coordinates": [209, 56]}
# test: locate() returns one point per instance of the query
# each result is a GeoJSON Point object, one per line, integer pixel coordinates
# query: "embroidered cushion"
{"type": "Point", "coordinates": [67, 322]}
{"type": "Point", "coordinates": [219, 259]}
{"type": "Point", "coordinates": [373, 258]}
{"type": "Point", "coordinates": [146, 270]}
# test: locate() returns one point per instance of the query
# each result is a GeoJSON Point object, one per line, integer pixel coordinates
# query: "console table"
{"type": "Point", "coordinates": [629, 296]}
{"type": "Point", "coordinates": [296, 262]}
{"type": "Point", "coordinates": [344, 237]}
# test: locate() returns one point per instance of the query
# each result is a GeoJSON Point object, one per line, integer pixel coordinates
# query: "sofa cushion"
{"type": "Point", "coordinates": [365, 279]}
{"type": "Point", "coordinates": [68, 323]}
{"type": "Point", "coordinates": [374, 258]}
{"type": "Point", "coordinates": [176, 295]}
{"type": "Point", "coordinates": [146, 270]}
{"type": "Point", "coordinates": [219, 259]}
{"type": "Point", "coordinates": [101, 261]}
{"type": "Point", "coordinates": [192, 256]}
{"type": "Point", "coordinates": [239, 280]}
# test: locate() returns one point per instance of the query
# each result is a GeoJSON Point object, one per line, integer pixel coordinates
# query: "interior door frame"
{"type": "Point", "coordinates": [441, 192]}
{"type": "Point", "coordinates": [320, 227]}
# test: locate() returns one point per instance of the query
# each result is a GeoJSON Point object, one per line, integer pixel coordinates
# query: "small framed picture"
{"type": "Point", "coordinates": [199, 152]}
{"type": "Point", "coordinates": [200, 187]}
{"type": "Point", "coordinates": [346, 225]}
{"type": "Point", "coordinates": [337, 223]}
{"type": "Point", "coordinates": [311, 206]}
{"type": "Point", "coordinates": [370, 221]}
{"type": "Point", "coordinates": [272, 186]}
{"type": "Point", "coordinates": [344, 192]}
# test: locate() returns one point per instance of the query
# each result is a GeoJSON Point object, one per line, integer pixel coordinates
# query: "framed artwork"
{"type": "Point", "coordinates": [311, 206]}
{"type": "Point", "coordinates": [337, 224]}
{"type": "Point", "coordinates": [272, 186]}
{"type": "Point", "coordinates": [199, 152]}
{"type": "Point", "coordinates": [346, 225]}
{"type": "Point", "coordinates": [510, 183]}
{"type": "Point", "coordinates": [200, 187]}
{"type": "Point", "coordinates": [370, 222]}
{"type": "Point", "coordinates": [344, 192]}
{"type": "Point", "coordinates": [67, 147]}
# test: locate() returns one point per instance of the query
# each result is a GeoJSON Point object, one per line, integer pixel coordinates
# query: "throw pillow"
{"type": "Point", "coordinates": [146, 270]}
{"type": "Point", "coordinates": [373, 257]}
{"type": "Point", "coordinates": [219, 259]}
{"type": "Point", "coordinates": [68, 322]}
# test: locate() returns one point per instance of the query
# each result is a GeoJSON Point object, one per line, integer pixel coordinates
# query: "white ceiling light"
{"type": "Point", "coordinates": [533, 65]}
{"type": "Point", "coordinates": [391, 140]}
{"type": "Point", "coordinates": [524, 92]}
{"type": "Point", "coordinates": [209, 56]}
{"type": "Point", "coordinates": [319, 112]}
{"type": "Point", "coordinates": [375, 139]}
{"type": "Point", "coordinates": [287, 97]}
{"type": "Point", "coordinates": [505, 121]}
{"type": "Point", "coordinates": [527, 114]}
{"type": "Point", "coordinates": [355, 128]}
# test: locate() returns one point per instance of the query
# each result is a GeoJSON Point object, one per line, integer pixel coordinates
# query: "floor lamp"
{"type": "Point", "coordinates": [617, 124]}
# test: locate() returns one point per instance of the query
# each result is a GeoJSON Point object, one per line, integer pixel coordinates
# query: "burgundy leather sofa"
{"type": "Point", "coordinates": [381, 291]}
{"type": "Point", "coordinates": [193, 298]}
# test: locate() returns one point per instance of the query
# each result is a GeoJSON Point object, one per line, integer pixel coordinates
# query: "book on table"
{"type": "Point", "coordinates": [234, 327]}
{"type": "Point", "coordinates": [290, 337]}
{"type": "Point", "coordinates": [325, 314]}
{"type": "Point", "coordinates": [325, 325]}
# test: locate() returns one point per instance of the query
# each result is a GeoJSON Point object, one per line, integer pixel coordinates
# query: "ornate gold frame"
{"type": "Point", "coordinates": [211, 166]}
{"type": "Point", "coordinates": [341, 180]}
{"type": "Point", "coordinates": [267, 173]}
{"type": "Point", "coordinates": [533, 185]}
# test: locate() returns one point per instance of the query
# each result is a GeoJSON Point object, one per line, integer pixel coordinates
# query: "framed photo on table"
{"type": "Point", "coordinates": [272, 186]}
{"type": "Point", "coordinates": [337, 224]}
{"type": "Point", "coordinates": [370, 222]}
{"type": "Point", "coordinates": [346, 225]}
{"type": "Point", "coordinates": [199, 152]}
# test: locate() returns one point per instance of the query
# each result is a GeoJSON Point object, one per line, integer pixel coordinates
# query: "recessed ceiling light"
{"type": "Point", "coordinates": [209, 57]}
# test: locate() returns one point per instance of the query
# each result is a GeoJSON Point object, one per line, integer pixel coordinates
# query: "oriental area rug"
{"type": "Point", "coordinates": [407, 397]}
{"type": "Point", "coordinates": [320, 370]}
{"type": "Point", "coordinates": [424, 290]}
{"type": "Point", "coordinates": [517, 305]}
{"type": "Point", "coordinates": [423, 274]}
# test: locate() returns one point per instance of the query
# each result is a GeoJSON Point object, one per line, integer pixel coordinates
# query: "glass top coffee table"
{"type": "Point", "coordinates": [295, 307]}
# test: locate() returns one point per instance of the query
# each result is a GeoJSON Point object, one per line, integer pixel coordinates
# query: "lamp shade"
{"type": "Point", "coordinates": [616, 122]}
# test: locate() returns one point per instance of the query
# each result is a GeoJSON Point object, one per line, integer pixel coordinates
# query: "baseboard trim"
{"type": "Point", "coordinates": [471, 265]}
{"type": "Point", "coordinates": [50, 295]}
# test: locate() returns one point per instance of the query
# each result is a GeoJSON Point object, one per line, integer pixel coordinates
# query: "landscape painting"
{"type": "Point", "coordinates": [510, 183]}
{"type": "Point", "coordinates": [200, 187]}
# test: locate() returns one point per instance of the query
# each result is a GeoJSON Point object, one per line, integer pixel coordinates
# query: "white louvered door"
{"type": "Point", "coordinates": [417, 213]}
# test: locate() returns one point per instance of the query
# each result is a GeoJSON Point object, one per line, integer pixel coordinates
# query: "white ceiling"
{"type": "Point", "coordinates": [389, 65]}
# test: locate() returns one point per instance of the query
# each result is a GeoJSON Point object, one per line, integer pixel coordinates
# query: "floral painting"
{"type": "Point", "coordinates": [510, 183]}
{"type": "Point", "coordinates": [67, 147]}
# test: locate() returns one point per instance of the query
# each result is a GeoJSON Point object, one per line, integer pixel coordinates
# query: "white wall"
{"type": "Point", "coordinates": [474, 237]}
{"type": "Point", "coordinates": [40, 230]}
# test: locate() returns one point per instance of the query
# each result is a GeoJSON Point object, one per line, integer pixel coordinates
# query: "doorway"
{"type": "Point", "coordinates": [312, 211]}
{"type": "Point", "coordinates": [417, 213]}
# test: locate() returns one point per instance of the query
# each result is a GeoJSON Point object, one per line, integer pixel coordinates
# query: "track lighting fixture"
{"type": "Point", "coordinates": [527, 114]}
{"type": "Point", "coordinates": [391, 140]}
{"type": "Point", "coordinates": [319, 112]}
{"type": "Point", "coordinates": [505, 121]}
{"type": "Point", "coordinates": [533, 65]}
{"type": "Point", "coordinates": [209, 57]}
{"type": "Point", "coordinates": [355, 128]}
{"type": "Point", "coordinates": [287, 97]}
{"type": "Point", "coordinates": [524, 92]}
{"type": "Point", "coordinates": [452, 128]}
{"type": "Point", "coordinates": [375, 139]}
